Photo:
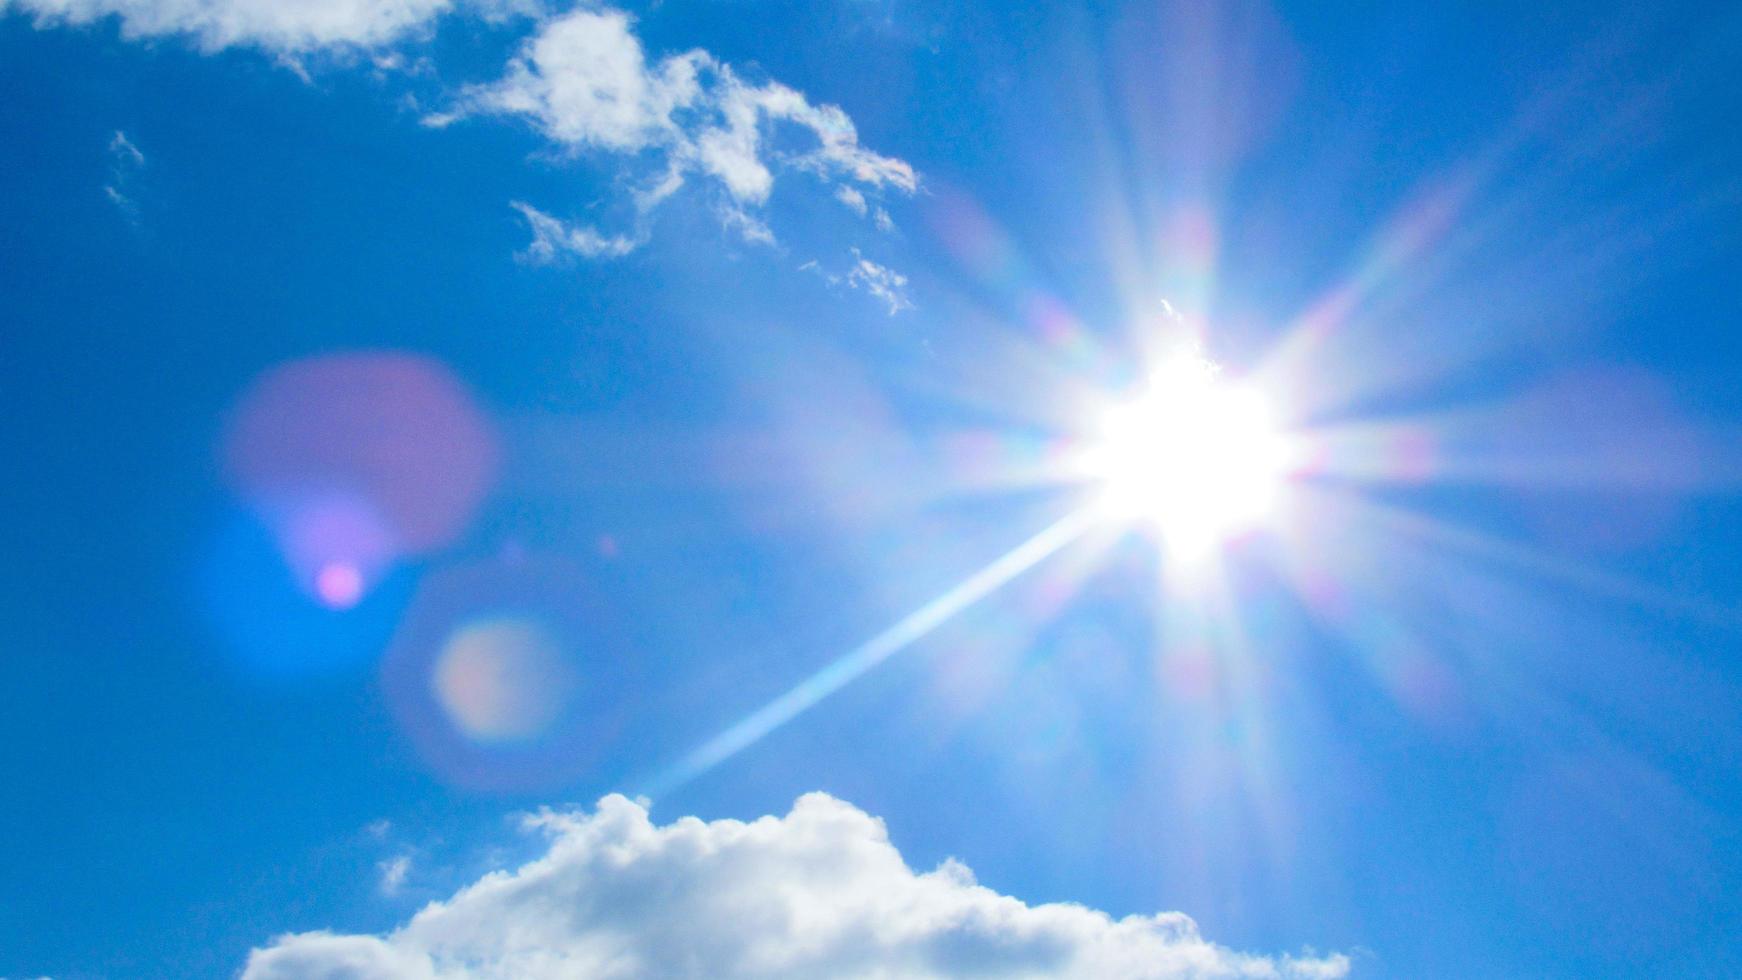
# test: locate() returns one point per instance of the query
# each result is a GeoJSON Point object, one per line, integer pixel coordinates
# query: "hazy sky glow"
{"type": "Point", "coordinates": [875, 488]}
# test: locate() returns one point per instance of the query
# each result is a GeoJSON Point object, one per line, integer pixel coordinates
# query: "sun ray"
{"type": "Point", "coordinates": [855, 663]}
{"type": "Point", "coordinates": [1517, 557]}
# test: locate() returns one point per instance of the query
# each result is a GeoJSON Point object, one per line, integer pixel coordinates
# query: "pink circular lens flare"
{"type": "Point", "coordinates": [339, 585]}
{"type": "Point", "coordinates": [396, 431]}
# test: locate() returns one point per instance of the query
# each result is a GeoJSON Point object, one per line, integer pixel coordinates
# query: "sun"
{"type": "Point", "coordinates": [1195, 458]}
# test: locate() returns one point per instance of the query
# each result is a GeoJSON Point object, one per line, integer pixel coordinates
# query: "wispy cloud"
{"type": "Point", "coordinates": [879, 280]}
{"type": "Point", "coordinates": [274, 25]}
{"type": "Point", "coordinates": [393, 872]}
{"type": "Point", "coordinates": [124, 151]}
{"type": "Point", "coordinates": [820, 892]}
{"type": "Point", "coordinates": [583, 80]}
{"type": "Point", "coordinates": [554, 239]}
{"type": "Point", "coordinates": [585, 83]}
{"type": "Point", "coordinates": [125, 160]}
{"type": "Point", "coordinates": [852, 198]}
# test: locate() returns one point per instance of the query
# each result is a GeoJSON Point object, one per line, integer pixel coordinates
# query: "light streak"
{"type": "Point", "coordinates": [856, 662]}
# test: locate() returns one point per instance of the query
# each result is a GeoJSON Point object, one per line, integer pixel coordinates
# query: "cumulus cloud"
{"type": "Point", "coordinates": [820, 892]}
{"type": "Point", "coordinates": [276, 25]}
{"type": "Point", "coordinates": [584, 81]}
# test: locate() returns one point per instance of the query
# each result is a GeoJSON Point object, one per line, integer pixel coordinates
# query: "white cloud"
{"type": "Point", "coordinates": [585, 83]}
{"type": "Point", "coordinates": [393, 872]}
{"type": "Point", "coordinates": [880, 281]}
{"type": "Point", "coordinates": [852, 198]}
{"type": "Point", "coordinates": [124, 160]}
{"type": "Point", "coordinates": [582, 79]}
{"type": "Point", "coordinates": [751, 228]}
{"type": "Point", "coordinates": [276, 25]}
{"type": "Point", "coordinates": [124, 152]}
{"type": "Point", "coordinates": [553, 238]}
{"type": "Point", "coordinates": [122, 201]}
{"type": "Point", "coordinates": [818, 893]}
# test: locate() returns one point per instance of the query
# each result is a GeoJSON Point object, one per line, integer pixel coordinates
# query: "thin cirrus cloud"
{"type": "Point", "coordinates": [584, 82]}
{"type": "Point", "coordinates": [125, 160]}
{"type": "Point", "coordinates": [820, 892]}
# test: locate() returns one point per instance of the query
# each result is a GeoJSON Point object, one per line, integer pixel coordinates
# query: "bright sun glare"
{"type": "Point", "coordinates": [1194, 457]}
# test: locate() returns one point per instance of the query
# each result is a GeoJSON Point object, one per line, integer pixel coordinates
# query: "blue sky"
{"type": "Point", "coordinates": [425, 419]}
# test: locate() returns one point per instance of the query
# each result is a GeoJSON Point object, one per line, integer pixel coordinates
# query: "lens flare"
{"type": "Point", "coordinates": [505, 679]}
{"type": "Point", "coordinates": [337, 547]}
{"type": "Point", "coordinates": [1197, 459]}
{"type": "Point", "coordinates": [511, 674]}
{"type": "Point", "coordinates": [339, 585]}
{"type": "Point", "coordinates": [357, 463]}
{"type": "Point", "coordinates": [281, 620]}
